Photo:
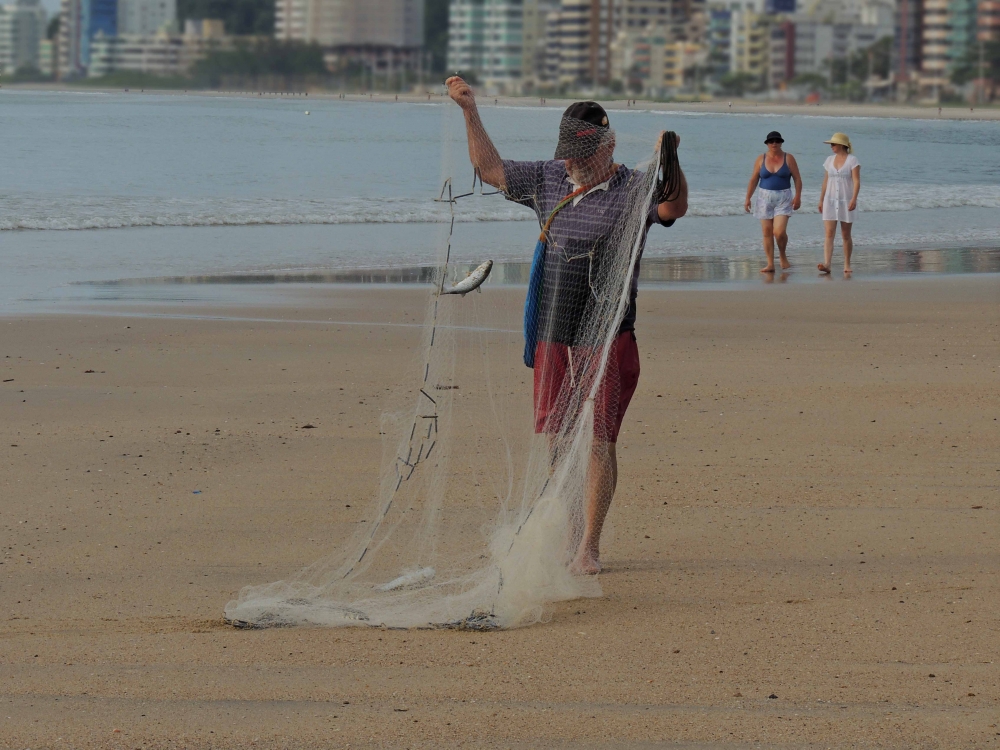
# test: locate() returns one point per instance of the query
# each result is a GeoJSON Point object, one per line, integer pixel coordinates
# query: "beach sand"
{"type": "Point", "coordinates": [804, 549]}
{"type": "Point", "coordinates": [904, 111]}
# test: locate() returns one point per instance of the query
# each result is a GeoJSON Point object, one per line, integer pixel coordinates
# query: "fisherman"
{"type": "Point", "coordinates": [582, 196]}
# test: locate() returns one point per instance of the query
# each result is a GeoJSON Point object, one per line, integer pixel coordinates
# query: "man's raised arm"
{"type": "Point", "coordinates": [482, 153]}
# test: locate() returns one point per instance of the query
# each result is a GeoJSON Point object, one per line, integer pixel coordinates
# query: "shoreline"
{"type": "Point", "coordinates": [832, 109]}
{"type": "Point", "coordinates": [168, 297]}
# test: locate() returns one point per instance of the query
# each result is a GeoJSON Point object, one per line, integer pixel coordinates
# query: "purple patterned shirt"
{"type": "Point", "coordinates": [579, 238]}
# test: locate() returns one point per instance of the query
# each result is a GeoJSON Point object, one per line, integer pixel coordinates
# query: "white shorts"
{"type": "Point", "coordinates": [771, 203]}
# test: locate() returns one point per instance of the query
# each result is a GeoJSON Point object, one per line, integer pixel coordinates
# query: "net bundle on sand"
{"type": "Point", "coordinates": [478, 517]}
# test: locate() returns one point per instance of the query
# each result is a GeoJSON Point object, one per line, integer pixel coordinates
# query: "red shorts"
{"type": "Point", "coordinates": [552, 370]}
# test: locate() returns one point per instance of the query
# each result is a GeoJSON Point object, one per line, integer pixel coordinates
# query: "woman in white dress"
{"type": "Point", "coordinates": [838, 199]}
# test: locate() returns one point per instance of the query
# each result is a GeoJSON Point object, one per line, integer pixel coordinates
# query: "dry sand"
{"type": "Point", "coordinates": [716, 106]}
{"type": "Point", "coordinates": [805, 549]}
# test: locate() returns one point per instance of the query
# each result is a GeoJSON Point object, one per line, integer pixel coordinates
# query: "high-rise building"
{"type": "Point", "coordinates": [750, 47]}
{"type": "Point", "coordinates": [934, 50]}
{"type": "Point", "coordinates": [535, 30]}
{"type": "Point", "coordinates": [384, 36]}
{"type": "Point", "coordinates": [811, 43]}
{"type": "Point", "coordinates": [653, 60]}
{"type": "Point", "coordinates": [487, 38]}
{"type": "Point", "coordinates": [563, 42]}
{"type": "Point", "coordinates": [331, 23]}
{"type": "Point", "coordinates": [988, 21]}
{"type": "Point", "coordinates": [47, 57]}
{"type": "Point", "coordinates": [465, 35]}
{"type": "Point", "coordinates": [503, 44]}
{"type": "Point", "coordinates": [162, 53]}
{"type": "Point", "coordinates": [574, 43]}
{"type": "Point", "coordinates": [645, 23]}
{"type": "Point", "coordinates": [70, 62]}
{"type": "Point", "coordinates": [80, 22]}
{"type": "Point", "coordinates": [146, 16]}
{"type": "Point", "coordinates": [22, 30]}
{"type": "Point", "coordinates": [908, 48]}
{"type": "Point", "coordinates": [962, 28]}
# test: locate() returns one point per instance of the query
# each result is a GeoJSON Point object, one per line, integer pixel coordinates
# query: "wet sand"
{"type": "Point", "coordinates": [804, 549]}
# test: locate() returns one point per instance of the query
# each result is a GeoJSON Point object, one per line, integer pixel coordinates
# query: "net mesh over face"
{"type": "Point", "coordinates": [491, 472]}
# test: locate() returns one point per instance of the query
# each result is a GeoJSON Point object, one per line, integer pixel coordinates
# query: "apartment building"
{"type": "Point", "coordinates": [988, 21]}
{"type": "Point", "coordinates": [653, 60]}
{"type": "Point", "coordinates": [22, 31]}
{"type": "Point", "coordinates": [750, 45]}
{"type": "Point", "coordinates": [384, 36]}
{"type": "Point", "coordinates": [332, 23]}
{"type": "Point", "coordinates": [146, 17]}
{"type": "Point", "coordinates": [535, 38]}
{"type": "Point", "coordinates": [161, 54]}
{"type": "Point", "coordinates": [487, 37]}
{"type": "Point", "coordinates": [465, 35]}
{"type": "Point", "coordinates": [934, 48]}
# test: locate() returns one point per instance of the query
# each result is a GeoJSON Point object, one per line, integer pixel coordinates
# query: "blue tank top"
{"type": "Point", "coordinates": [780, 180]}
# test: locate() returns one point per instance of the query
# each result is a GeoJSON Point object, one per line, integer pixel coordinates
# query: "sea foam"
{"type": "Point", "coordinates": [27, 212]}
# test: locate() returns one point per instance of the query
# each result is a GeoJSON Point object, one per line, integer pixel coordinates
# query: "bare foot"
{"type": "Point", "coordinates": [823, 269]}
{"type": "Point", "coordinates": [847, 271]}
{"type": "Point", "coordinates": [785, 265]}
{"type": "Point", "coordinates": [585, 564]}
{"type": "Point", "coordinates": [767, 269]}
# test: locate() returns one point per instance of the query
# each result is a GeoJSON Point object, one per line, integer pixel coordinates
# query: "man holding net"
{"type": "Point", "coordinates": [581, 307]}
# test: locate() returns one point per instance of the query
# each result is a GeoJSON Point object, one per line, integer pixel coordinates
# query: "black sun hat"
{"type": "Point", "coordinates": [583, 128]}
{"type": "Point", "coordinates": [774, 135]}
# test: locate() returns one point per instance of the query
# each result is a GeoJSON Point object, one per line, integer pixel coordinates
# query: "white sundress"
{"type": "Point", "coordinates": [839, 189]}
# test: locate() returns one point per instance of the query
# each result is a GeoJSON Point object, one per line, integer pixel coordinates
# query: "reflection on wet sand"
{"type": "Point", "coordinates": [653, 270]}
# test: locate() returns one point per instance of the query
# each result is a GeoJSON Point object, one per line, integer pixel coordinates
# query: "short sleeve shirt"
{"type": "Point", "coordinates": [580, 238]}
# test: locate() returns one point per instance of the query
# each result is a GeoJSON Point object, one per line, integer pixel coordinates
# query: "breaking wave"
{"type": "Point", "coordinates": [25, 212]}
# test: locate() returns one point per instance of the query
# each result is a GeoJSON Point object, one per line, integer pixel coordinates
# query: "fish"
{"type": "Point", "coordinates": [414, 579]}
{"type": "Point", "coordinates": [473, 281]}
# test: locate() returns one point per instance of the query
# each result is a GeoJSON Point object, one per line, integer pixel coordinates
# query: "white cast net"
{"type": "Point", "coordinates": [485, 498]}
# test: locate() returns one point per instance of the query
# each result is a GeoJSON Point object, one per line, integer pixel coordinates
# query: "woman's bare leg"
{"type": "Point", "coordinates": [602, 478]}
{"type": "Point", "coordinates": [767, 227]}
{"type": "Point", "coordinates": [830, 230]}
{"type": "Point", "coordinates": [781, 238]}
{"type": "Point", "coordinates": [845, 233]}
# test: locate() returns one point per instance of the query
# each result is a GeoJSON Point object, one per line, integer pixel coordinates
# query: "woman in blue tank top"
{"type": "Point", "coordinates": [772, 177]}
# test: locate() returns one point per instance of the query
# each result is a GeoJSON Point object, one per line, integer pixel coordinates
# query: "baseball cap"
{"type": "Point", "coordinates": [583, 128]}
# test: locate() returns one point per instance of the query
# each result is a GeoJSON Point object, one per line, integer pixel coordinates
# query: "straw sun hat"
{"type": "Point", "coordinates": [841, 139]}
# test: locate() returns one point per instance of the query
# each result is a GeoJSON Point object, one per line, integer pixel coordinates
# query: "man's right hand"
{"type": "Point", "coordinates": [461, 93]}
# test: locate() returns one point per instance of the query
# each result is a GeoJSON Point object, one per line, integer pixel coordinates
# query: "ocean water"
{"type": "Point", "coordinates": [105, 187]}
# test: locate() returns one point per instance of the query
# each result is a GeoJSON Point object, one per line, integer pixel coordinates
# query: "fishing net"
{"type": "Point", "coordinates": [494, 476]}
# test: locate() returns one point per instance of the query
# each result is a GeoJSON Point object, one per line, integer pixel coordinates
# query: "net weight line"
{"type": "Point", "coordinates": [432, 417]}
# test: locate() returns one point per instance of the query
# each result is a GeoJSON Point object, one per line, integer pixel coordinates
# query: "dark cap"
{"type": "Point", "coordinates": [774, 135]}
{"type": "Point", "coordinates": [583, 128]}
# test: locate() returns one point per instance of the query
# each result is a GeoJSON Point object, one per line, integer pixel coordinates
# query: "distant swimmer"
{"type": "Point", "coordinates": [772, 177]}
{"type": "Point", "coordinates": [838, 198]}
